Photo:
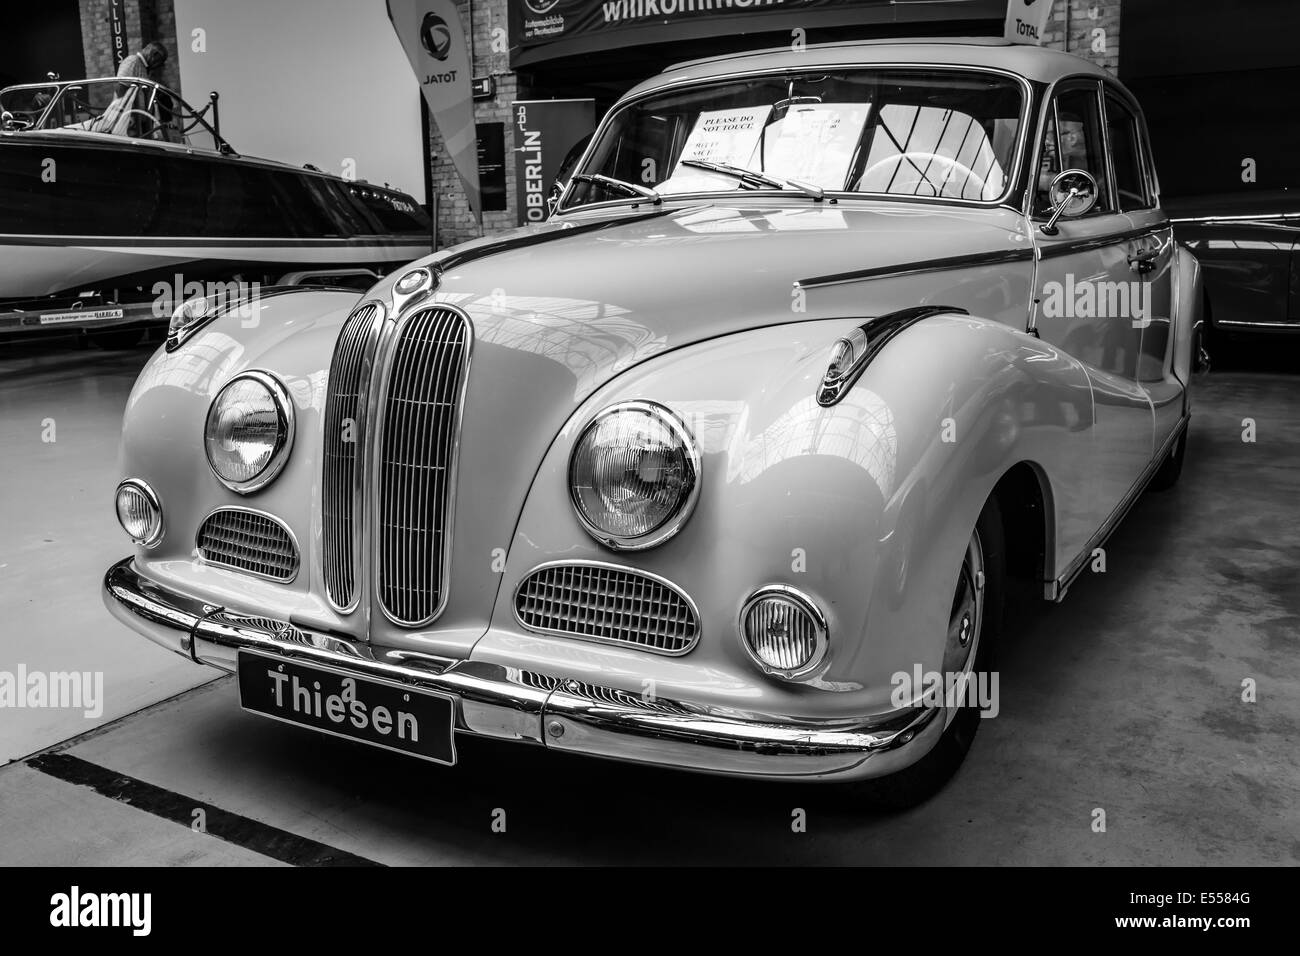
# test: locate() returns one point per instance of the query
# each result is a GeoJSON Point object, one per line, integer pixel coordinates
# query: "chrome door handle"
{"type": "Point", "coordinates": [1143, 262]}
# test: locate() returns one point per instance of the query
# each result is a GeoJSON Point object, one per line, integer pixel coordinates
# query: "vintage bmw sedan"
{"type": "Point", "coordinates": [727, 465]}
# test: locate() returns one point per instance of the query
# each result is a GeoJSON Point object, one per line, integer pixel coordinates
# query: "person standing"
{"type": "Point", "coordinates": [139, 65]}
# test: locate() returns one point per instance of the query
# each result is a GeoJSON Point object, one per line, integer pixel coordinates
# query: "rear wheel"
{"type": "Point", "coordinates": [973, 626]}
{"type": "Point", "coordinates": [1172, 466]}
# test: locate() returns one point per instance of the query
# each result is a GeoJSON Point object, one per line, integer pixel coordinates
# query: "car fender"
{"type": "Point", "coordinates": [290, 336]}
{"type": "Point", "coordinates": [866, 506]}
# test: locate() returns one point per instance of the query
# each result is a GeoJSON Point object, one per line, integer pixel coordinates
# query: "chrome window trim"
{"type": "Point", "coordinates": [284, 442]}
{"type": "Point", "coordinates": [378, 402]}
{"type": "Point", "coordinates": [1004, 200]}
{"type": "Point", "coordinates": [142, 486]}
{"type": "Point", "coordinates": [293, 540]}
{"type": "Point", "coordinates": [1058, 85]}
{"type": "Point", "coordinates": [677, 520]}
{"type": "Point", "coordinates": [796, 596]}
{"type": "Point", "coordinates": [365, 412]}
{"type": "Point", "coordinates": [622, 569]}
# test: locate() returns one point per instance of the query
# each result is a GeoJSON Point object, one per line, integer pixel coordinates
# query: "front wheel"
{"type": "Point", "coordinates": [973, 625]}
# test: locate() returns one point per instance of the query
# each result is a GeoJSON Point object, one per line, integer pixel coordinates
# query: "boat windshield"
{"type": "Point", "coordinates": [133, 109]}
{"type": "Point", "coordinates": [932, 133]}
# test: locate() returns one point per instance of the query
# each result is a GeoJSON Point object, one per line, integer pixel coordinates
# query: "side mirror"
{"type": "Point", "coordinates": [553, 198]}
{"type": "Point", "coordinates": [1073, 193]}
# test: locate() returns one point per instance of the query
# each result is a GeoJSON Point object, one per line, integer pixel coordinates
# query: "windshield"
{"type": "Point", "coordinates": [937, 134]}
{"type": "Point", "coordinates": [129, 108]}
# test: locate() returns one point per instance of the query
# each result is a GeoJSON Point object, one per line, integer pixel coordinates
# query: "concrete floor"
{"type": "Point", "coordinates": [1127, 698]}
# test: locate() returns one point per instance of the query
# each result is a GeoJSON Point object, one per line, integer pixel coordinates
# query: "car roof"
{"type": "Point", "coordinates": [1032, 62]}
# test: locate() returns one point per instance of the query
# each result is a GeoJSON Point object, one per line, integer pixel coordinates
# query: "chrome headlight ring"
{"type": "Point", "coordinates": [688, 465]}
{"type": "Point", "coordinates": [280, 446]}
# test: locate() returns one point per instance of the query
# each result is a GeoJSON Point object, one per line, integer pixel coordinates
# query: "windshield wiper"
{"type": "Point", "coordinates": [753, 176]}
{"type": "Point", "coordinates": [630, 188]}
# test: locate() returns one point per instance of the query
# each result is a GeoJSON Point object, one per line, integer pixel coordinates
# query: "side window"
{"type": "Point", "coordinates": [1072, 140]}
{"type": "Point", "coordinates": [1126, 155]}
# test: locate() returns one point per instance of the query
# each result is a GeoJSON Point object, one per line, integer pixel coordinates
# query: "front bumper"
{"type": "Point", "coordinates": [508, 703]}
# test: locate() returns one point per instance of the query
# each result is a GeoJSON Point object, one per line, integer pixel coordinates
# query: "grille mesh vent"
{"type": "Point", "coordinates": [246, 541]}
{"type": "Point", "coordinates": [610, 605]}
{"type": "Point", "coordinates": [416, 456]}
{"type": "Point", "coordinates": [341, 448]}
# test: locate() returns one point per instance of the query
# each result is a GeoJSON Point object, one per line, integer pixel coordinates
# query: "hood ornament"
{"type": "Point", "coordinates": [415, 284]}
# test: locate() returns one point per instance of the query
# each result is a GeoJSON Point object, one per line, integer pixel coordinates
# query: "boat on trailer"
{"type": "Point", "coordinates": [118, 200]}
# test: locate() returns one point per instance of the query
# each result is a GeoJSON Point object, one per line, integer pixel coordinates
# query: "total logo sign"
{"type": "Point", "coordinates": [1027, 20]}
{"type": "Point", "coordinates": [435, 37]}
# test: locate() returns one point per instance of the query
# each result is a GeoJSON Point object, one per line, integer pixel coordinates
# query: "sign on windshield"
{"type": "Point", "coordinates": [812, 142]}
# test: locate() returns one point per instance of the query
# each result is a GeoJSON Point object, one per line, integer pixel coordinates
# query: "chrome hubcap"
{"type": "Point", "coordinates": [967, 611]}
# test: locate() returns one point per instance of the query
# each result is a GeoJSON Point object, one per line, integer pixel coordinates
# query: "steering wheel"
{"type": "Point", "coordinates": [954, 168]}
{"type": "Point", "coordinates": [144, 134]}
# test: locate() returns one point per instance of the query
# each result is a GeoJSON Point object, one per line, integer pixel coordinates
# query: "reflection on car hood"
{"type": "Point", "coordinates": [600, 292]}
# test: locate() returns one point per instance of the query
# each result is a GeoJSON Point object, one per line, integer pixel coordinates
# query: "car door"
{"type": "Point", "coordinates": [1085, 292]}
{"type": "Point", "coordinates": [1150, 259]}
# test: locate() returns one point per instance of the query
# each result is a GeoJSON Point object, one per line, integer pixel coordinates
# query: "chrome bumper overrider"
{"type": "Point", "coordinates": [512, 704]}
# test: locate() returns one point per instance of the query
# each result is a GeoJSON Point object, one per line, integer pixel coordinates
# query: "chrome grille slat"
{"type": "Point", "coordinates": [415, 463]}
{"type": "Point", "coordinates": [345, 399]}
{"type": "Point", "coordinates": [249, 541]}
{"type": "Point", "coordinates": [607, 604]}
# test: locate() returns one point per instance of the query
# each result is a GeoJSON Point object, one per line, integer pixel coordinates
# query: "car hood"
{"type": "Point", "coordinates": [600, 292]}
{"type": "Point", "coordinates": [562, 309]}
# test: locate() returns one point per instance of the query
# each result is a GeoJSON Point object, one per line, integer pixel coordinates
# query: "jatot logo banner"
{"type": "Point", "coordinates": [434, 41]}
{"type": "Point", "coordinates": [1027, 20]}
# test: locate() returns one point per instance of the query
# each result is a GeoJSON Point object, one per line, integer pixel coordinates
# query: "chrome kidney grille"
{"type": "Point", "coordinates": [341, 448]}
{"type": "Point", "coordinates": [415, 463]}
{"type": "Point", "coordinates": [609, 605]}
{"type": "Point", "coordinates": [249, 541]}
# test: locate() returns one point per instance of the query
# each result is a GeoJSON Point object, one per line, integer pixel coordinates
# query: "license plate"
{"type": "Point", "coordinates": [419, 723]}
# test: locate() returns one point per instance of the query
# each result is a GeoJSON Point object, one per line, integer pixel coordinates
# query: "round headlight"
{"type": "Point", "coordinates": [249, 431]}
{"type": "Point", "coordinates": [139, 512]}
{"type": "Point", "coordinates": [634, 476]}
{"type": "Point", "coordinates": [784, 631]}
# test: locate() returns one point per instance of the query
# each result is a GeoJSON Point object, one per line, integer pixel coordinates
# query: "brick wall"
{"type": "Point", "coordinates": [145, 20]}
{"type": "Point", "coordinates": [455, 221]}
{"type": "Point", "coordinates": [1093, 30]}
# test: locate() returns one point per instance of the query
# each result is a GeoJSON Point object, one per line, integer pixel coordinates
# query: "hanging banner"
{"type": "Point", "coordinates": [547, 132]}
{"type": "Point", "coordinates": [542, 30]}
{"type": "Point", "coordinates": [117, 29]}
{"type": "Point", "coordinates": [1027, 21]}
{"type": "Point", "coordinates": [434, 41]}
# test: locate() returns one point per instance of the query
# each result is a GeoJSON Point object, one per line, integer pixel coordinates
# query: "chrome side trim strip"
{"type": "Point", "coordinates": [971, 261]}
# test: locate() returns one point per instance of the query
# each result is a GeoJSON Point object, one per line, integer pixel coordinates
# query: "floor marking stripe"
{"type": "Point", "coordinates": [231, 827]}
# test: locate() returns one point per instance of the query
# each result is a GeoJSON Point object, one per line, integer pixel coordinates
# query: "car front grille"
{"type": "Point", "coordinates": [416, 459]}
{"type": "Point", "coordinates": [344, 409]}
{"type": "Point", "coordinates": [609, 605]}
{"type": "Point", "coordinates": [249, 541]}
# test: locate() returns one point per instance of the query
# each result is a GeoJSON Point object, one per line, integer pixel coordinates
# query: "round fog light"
{"type": "Point", "coordinates": [139, 512]}
{"type": "Point", "coordinates": [784, 632]}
